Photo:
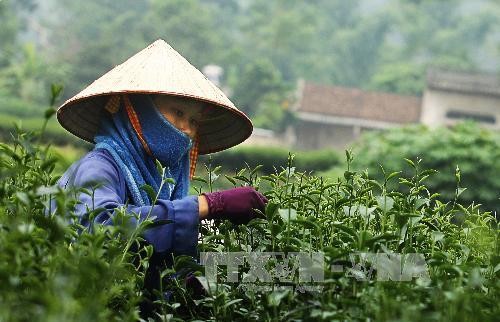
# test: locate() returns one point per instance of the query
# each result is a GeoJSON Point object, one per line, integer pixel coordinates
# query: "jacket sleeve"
{"type": "Point", "coordinates": [108, 191]}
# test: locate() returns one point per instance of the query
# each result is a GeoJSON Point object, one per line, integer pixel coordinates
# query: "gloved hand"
{"type": "Point", "coordinates": [236, 204]}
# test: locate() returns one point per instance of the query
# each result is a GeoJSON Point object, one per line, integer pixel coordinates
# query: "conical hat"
{"type": "Point", "coordinates": [158, 69]}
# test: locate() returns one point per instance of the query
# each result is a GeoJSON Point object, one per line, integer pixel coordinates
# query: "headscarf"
{"type": "Point", "coordinates": [136, 134]}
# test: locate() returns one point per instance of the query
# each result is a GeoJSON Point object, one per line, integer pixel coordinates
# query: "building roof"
{"type": "Point", "coordinates": [355, 103]}
{"type": "Point", "coordinates": [462, 82]}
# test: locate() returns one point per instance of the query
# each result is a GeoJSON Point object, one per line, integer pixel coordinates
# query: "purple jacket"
{"type": "Point", "coordinates": [180, 237]}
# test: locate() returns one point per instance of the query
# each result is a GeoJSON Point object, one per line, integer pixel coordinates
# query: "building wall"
{"type": "Point", "coordinates": [311, 136]}
{"type": "Point", "coordinates": [262, 137]}
{"type": "Point", "coordinates": [436, 105]}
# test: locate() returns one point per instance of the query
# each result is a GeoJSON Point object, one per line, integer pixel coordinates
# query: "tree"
{"type": "Point", "coordinates": [258, 79]}
{"type": "Point", "coordinates": [93, 38]}
{"type": "Point", "coordinates": [402, 78]}
{"type": "Point", "coordinates": [8, 32]}
{"type": "Point", "coordinates": [88, 38]}
{"type": "Point", "coordinates": [29, 78]}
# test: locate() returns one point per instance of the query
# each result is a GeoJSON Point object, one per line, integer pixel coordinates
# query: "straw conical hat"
{"type": "Point", "coordinates": [158, 69]}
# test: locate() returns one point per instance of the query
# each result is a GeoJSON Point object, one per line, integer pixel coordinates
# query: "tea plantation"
{"type": "Point", "coordinates": [442, 260]}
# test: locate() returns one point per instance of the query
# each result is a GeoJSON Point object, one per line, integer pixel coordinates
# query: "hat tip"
{"type": "Point", "coordinates": [159, 40]}
{"type": "Point", "coordinates": [160, 43]}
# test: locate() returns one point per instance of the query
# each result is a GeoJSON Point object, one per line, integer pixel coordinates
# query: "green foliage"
{"type": "Point", "coordinates": [54, 132]}
{"type": "Point", "coordinates": [272, 158]}
{"type": "Point", "coordinates": [357, 214]}
{"type": "Point", "coordinates": [273, 114]}
{"type": "Point", "coordinates": [51, 268]}
{"type": "Point", "coordinates": [403, 78]}
{"type": "Point", "coordinates": [8, 32]}
{"type": "Point", "coordinates": [474, 150]}
{"type": "Point", "coordinates": [15, 106]}
{"type": "Point", "coordinates": [263, 46]}
{"type": "Point", "coordinates": [257, 80]}
{"type": "Point", "coordinates": [350, 43]}
{"type": "Point", "coordinates": [28, 78]}
{"type": "Point", "coordinates": [48, 270]}
{"type": "Point", "coordinates": [19, 113]}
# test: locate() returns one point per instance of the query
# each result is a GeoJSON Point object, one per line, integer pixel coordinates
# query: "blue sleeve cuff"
{"type": "Point", "coordinates": [180, 236]}
{"type": "Point", "coordinates": [186, 225]}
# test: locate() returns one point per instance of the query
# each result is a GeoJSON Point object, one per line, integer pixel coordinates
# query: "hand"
{"type": "Point", "coordinates": [236, 204]}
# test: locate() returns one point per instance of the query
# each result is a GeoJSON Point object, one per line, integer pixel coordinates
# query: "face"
{"type": "Point", "coordinates": [185, 115]}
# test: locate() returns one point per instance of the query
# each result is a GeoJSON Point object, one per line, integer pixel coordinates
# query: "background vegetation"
{"type": "Point", "coordinates": [263, 46]}
{"type": "Point", "coordinates": [474, 150]}
{"type": "Point", "coordinates": [272, 159]}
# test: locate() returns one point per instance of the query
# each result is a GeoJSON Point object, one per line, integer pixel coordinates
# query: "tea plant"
{"type": "Point", "coordinates": [359, 215]}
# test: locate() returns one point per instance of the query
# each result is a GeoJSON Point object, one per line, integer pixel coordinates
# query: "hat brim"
{"type": "Point", "coordinates": [225, 128]}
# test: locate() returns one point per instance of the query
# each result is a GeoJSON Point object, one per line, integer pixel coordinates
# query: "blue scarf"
{"type": "Point", "coordinates": [167, 144]}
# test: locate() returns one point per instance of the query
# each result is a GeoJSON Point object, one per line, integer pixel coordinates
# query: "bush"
{"type": "Point", "coordinates": [474, 150]}
{"type": "Point", "coordinates": [53, 133]}
{"type": "Point", "coordinates": [17, 107]}
{"type": "Point", "coordinates": [272, 159]}
{"type": "Point", "coordinates": [52, 269]}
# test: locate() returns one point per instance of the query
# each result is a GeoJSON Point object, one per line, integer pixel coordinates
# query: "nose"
{"type": "Point", "coordinates": [186, 127]}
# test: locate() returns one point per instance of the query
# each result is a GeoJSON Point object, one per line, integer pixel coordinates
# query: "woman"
{"type": "Point", "coordinates": [155, 107]}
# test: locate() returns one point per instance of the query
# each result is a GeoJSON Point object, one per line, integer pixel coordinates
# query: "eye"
{"type": "Point", "coordinates": [178, 113]}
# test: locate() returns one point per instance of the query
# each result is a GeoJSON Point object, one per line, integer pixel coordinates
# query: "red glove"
{"type": "Point", "coordinates": [236, 204]}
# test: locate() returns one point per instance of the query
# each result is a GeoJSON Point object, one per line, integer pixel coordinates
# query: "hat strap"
{"type": "Point", "coordinates": [134, 120]}
{"type": "Point", "coordinates": [193, 157]}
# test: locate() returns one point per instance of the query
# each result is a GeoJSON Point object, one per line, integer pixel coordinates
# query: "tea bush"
{"type": "Point", "coordinates": [358, 215]}
{"type": "Point", "coordinates": [30, 116]}
{"type": "Point", "coordinates": [473, 149]}
{"type": "Point", "coordinates": [53, 269]}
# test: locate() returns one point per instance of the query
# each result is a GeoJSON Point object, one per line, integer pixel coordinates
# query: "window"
{"type": "Point", "coordinates": [459, 115]}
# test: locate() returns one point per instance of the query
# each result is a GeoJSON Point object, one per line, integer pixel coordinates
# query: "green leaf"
{"type": "Point", "coordinates": [288, 214]}
{"type": "Point", "coordinates": [271, 209]}
{"type": "Point", "coordinates": [23, 197]}
{"type": "Point", "coordinates": [150, 192]}
{"type": "Point", "coordinates": [230, 179]}
{"type": "Point", "coordinates": [274, 298]}
{"type": "Point", "coordinates": [385, 203]}
{"type": "Point", "coordinates": [349, 231]}
{"type": "Point", "coordinates": [257, 168]}
{"type": "Point", "coordinates": [159, 167]}
{"type": "Point", "coordinates": [460, 191]}
{"type": "Point", "coordinates": [242, 178]}
{"type": "Point", "coordinates": [420, 202]}
{"type": "Point", "coordinates": [157, 223]}
{"type": "Point", "coordinates": [437, 236]}
{"type": "Point", "coordinates": [49, 112]}
{"type": "Point", "coordinates": [308, 223]}
{"type": "Point", "coordinates": [55, 91]}
{"type": "Point", "coordinates": [200, 179]}
{"type": "Point", "coordinates": [170, 180]}
{"type": "Point", "coordinates": [228, 304]}
{"type": "Point", "coordinates": [410, 162]}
